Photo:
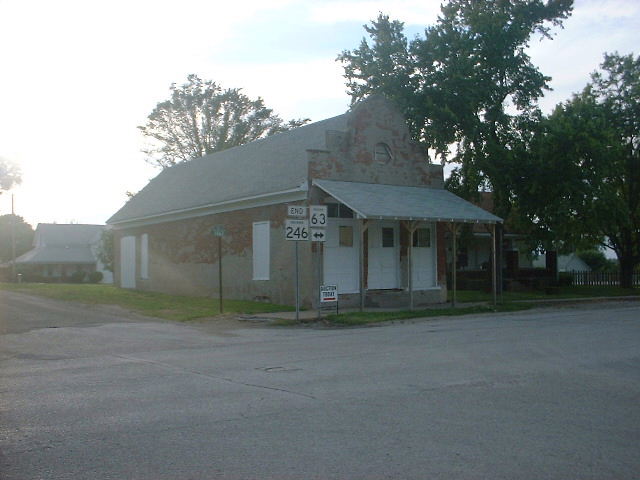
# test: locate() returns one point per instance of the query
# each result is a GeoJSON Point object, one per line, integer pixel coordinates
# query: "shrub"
{"type": "Point", "coordinates": [565, 279]}
{"type": "Point", "coordinates": [77, 277]}
{"type": "Point", "coordinates": [95, 277]}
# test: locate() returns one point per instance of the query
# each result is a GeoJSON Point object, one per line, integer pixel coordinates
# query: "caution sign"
{"type": "Point", "coordinates": [328, 293]}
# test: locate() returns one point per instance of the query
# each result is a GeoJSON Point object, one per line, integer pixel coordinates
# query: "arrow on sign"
{"type": "Point", "coordinates": [318, 235]}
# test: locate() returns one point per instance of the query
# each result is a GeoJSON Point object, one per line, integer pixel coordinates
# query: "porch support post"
{"type": "Point", "coordinates": [494, 274]}
{"type": "Point", "coordinates": [363, 228]}
{"type": "Point", "coordinates": [454, 267]}
{"type": "Point", "coordinates": [411, 226]}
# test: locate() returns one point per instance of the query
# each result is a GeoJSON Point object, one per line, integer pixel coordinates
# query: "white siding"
{"type": "Point", "coordinates": [261, 250]}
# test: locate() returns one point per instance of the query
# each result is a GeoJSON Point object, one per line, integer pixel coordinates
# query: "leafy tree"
{"type": "Point", "coordinates": [9, 174]}
{"type": "Point", "coordinates": [104, 251]}
{"type": "Point", "coordinates": [596, 260]}
{"type": "Point", "coordinates": [580, 183]}
{"type": "Point", "coordinates": [459, 83]}
{"type": "Point", "coordinates": [23, 236]}
{"type": "Point", "coordinates": [201, 118]}
{"type": "Point", "coordinates": [386, 66]}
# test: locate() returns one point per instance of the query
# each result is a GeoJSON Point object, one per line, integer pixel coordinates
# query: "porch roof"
{"type": "Point", "coordinates": [397, 202]}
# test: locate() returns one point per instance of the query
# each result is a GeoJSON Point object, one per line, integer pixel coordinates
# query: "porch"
{"type": "Point", "coordinates": [387, 247]}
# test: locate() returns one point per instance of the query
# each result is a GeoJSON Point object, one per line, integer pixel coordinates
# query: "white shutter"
{"type": "Point", "coordinates": [144, 256]}
{"type": "Point", "coordinates": [261, 250]}
{"type": "Point", "coordinates": [128, 262]}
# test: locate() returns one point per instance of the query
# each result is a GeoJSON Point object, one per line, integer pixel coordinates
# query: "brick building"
{"type": "Point", "coordinates": [387, 210]}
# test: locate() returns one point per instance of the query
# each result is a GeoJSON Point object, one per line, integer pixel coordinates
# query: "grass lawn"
{"type": "Point", "coordinates": [362, 318]}
{"type": "Point", "coordinates": [507, 305]}
{"type": "Point", "coordinates": [562, 292]}
{"type": "Point", "coordinates": [171, 307]}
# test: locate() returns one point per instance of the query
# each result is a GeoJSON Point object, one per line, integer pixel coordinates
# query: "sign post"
{"type": "Point", "coordinates": [297, 230]}
{"type": "Point", "coordinates": [318, 218]}
{"type": "Point", "coordinates": [218, 231]}
{"type": "Point", "coordinates": [297, 285]}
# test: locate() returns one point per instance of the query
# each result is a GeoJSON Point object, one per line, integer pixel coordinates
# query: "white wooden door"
{"type": "Point", "coordinates": [341, 257]}
{"type": "Point", "coordinates": [128, 262]}
{"type": "Point", "coordinates": [383, 272]}
{"type": "Point", "coordinates": [423, 264]}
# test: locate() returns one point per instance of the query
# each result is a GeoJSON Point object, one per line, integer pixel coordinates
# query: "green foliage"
{"type": "Point", "coordinates": [95, 277]}
{"type": "Point", "coordinates": [565, 279]}
{"type": "Point", "coordinates": [77, 277]}
{"type": "Point", "coordinates": [459, 82]}
{"type": "Point", "coordinates": [23, 236]}
{"type": "Point", "coordinates": [201, 118]}
{"type": "Point", "coordinates": [104, 251]}
{"type": "Point", "coordinates": [585, 156]}
{"type": "Point", "coordinates": [386, 66]}
{"type": "Point", "coordinates": [596, 261]}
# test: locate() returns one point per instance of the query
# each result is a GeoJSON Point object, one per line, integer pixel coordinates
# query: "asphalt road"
{"type": "Point", "coordinates": [89, 393]}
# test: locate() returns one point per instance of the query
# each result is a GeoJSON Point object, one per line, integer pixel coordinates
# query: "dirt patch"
{"type": "Point", "coordinates": [223, 325]}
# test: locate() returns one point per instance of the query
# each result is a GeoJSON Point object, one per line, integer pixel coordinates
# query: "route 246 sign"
{"type": "Point", "coordinates": [297, 230]}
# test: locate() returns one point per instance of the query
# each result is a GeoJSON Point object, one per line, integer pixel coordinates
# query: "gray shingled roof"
{"type": "Point", "coordinates": [63, 243]}
{"type": "Point", "coordinates": [63, 234]}
{"type": "Point", "coordinates": [276, 163]}
{"type": "Point", "coordinates": [76, 254]}
{"type": "Point", "coordinates": [377, 201]}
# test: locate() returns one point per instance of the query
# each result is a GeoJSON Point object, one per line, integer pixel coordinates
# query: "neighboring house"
{"type": "Point", "coordinates": [387, 211]}
{"type": "Point", "coordinates": [476, 255]}
{"type": "Point", "coordinates": [60, 250]}
{"type": "Point", "coordinates": [566, 263]}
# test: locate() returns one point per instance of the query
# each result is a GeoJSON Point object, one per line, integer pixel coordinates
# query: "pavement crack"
{"type": "Point", "coordinates": [211, 377]}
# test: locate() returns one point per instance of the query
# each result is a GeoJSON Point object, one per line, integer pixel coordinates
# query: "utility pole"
{"type": "Point", "coordinates": [219, 231]}
{"type": "Point", "coordinates": [13, 240]}
{"type": "Point", "coordinates": [220, 273]}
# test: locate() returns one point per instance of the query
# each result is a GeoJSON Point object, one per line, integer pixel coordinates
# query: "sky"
{"type": "Point", "coordinates": [78, 76]}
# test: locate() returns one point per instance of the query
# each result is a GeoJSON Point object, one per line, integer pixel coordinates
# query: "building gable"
{"type": "Point", "coordinates": [273, 169]}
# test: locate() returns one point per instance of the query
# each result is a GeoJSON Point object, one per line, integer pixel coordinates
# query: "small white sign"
{"type": "Point", "coordinates": [296, 211]}
{"type": "Point", "coordinates": [318, 234]}
{"type": "Point", "coordinates": [328, 293]}
{"type": "Point", "coordinates": [318, 215]}
{"type": "Point", "coordinates": [297, 230]}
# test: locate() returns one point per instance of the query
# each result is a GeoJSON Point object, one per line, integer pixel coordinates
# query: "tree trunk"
{"type": "Point", "coordinates": [626, 271]}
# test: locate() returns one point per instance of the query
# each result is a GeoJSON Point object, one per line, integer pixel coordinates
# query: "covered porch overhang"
{"type": "Point", "coordinates": [411, 205]}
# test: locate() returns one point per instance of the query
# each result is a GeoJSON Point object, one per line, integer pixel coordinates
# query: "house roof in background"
{"type": "Point", "coordinates": [376, 201]}
{"type": "Point", "coordinates": [77, 254]}
{"type": "Point", "coordinates": [63, 243]}
{"type": "Point", "coordinates": [67, 234]}
{"type": "Point", "coordinates": [272, 164]}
